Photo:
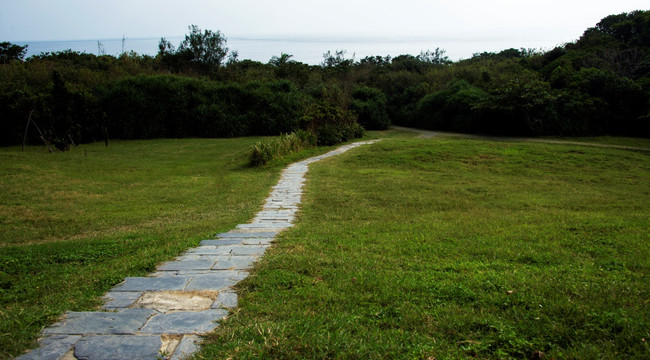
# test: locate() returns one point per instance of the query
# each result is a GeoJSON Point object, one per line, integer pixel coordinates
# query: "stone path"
{"type": "Point", "coordinates": [160, 316]}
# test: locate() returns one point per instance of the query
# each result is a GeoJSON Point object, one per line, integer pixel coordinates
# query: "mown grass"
{"type": "Point", "coordinates": [451, 248]}
{"type": "Point", "coordinates": [74, 224]}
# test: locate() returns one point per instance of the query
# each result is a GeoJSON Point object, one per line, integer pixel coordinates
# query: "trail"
{"type": "Point", "coordinates": [161, 316]}
{"type": "Point", "coordinates": [426, 134]}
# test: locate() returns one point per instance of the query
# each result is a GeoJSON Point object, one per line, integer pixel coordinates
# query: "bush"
{"type": "Point", "coordinates": [264, 152]}
{"type": "Point", "coordinates": [453, 108]}
{"type": "Point", "coordinates": [331, 123]}
{"type": "Point", "coordinates": [370, 106]}
{"type": "Point", "coordinates": [172, 106]}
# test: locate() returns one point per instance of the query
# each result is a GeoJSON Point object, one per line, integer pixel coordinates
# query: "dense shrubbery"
{"type": "Point", "coordinates": [331, 123]}
{"type": "Point", "coordinates": [370, 106]}
{"type": "Point", "coordinates": [135, 110]}
{"type": "Point", "coordinates": [598, 85]}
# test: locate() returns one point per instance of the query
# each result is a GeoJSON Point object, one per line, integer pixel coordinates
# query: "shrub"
{"type": "Point", "coordinates": [172, 106]}
{"type": "Point", "coordinates": [453, 108]}
{"type": "Point", "coordinates": [370, 106]}
{"type": "Point", "coordinates": [264, 152]}
{"type": "Point", "coordinates": [331, 123]}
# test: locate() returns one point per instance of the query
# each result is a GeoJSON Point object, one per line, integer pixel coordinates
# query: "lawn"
{"type": "Point", "coordinates": [449, 248]}
{"type": "Point", "coordinates": [74, 224]}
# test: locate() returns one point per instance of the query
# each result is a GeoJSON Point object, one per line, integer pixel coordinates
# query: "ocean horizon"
{"type": "Point", "coordinates": [308, 50]}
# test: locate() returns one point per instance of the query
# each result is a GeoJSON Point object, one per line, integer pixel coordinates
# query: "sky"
{"type": "Point", "coordinates": [545, 23]}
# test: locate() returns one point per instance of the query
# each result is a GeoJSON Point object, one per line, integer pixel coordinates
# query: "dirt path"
{"type": "Point", "coordinates": [426, 134]}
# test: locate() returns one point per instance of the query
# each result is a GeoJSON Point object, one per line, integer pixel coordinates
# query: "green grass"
{"type": "Point", "coordinates": [74, 224]}
{"type": "Point", "coordinates": [451, 248]}
{"type": "Point", "coordinates": [610, 140]}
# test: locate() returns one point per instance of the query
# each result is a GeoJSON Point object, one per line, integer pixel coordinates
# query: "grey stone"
{"type": "Point", "coordinates": [51, 347]}
{"type": "Point", "coordinates": [120, 299]}
{"type": "Point", "coordinates": [229, 241]}
{"type": "Point", "coordinates": [249, 250]}
{"type": "Point", "coordinates": [263, 226]}
{"type": "Point", "coordinates": [79, 323]}
{"type": "Point", "coordinates": [152, 284]}
{"type": "Point", "coordinates": [260, 241]}
{"type": "Point", "coordinates": [114, 347]}
{"type": "Point", "coordinates": [234, 262]}
{"type": "Point", "coordinates": [247, 235]}
{"type": "Point", "coordinates": [203, 264]}
{"type": "Point", "coordinates": [234, 275]}
{"type": "Point", "coordinates": [184, 322]}
{"type": "Point", "coordinates": [188, 346]}
{"type": "Point", "coordinates": [212, 250]}
{"type": "Point", "coordinates": [241, 250]}
{"type": "Point", "coordinates": [209, 282]}
{"type": "Point", "coordinates": [225, 299]}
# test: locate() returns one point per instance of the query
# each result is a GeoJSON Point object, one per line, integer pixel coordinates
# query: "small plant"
{"type": "Point", "coordinates": [285, 144]}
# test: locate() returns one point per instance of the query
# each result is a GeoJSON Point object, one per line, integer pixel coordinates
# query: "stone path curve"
{"type": "Point", "coordinates": [161, 315]}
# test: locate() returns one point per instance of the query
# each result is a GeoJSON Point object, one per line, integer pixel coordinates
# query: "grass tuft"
{"type": "Point", "coordinates": [264, 152]}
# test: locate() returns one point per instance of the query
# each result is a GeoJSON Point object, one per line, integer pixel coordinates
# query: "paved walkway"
{"type": "Point", "coordinates": [161, 315]}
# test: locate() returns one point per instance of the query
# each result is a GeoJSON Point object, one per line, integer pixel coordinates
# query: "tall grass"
{"type": "Point", "coordinates": [266, 151]}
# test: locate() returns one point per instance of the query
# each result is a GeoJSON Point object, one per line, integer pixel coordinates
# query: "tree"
{"type": "Point", "coordinates": [10, 52]}
{"type": "Point", "coordinates": [165, 47]}
{"type": "Point", "coordinates": [207, 49]}
{"type": "Point", "coordinates": [282, 60]}
{"type": "Point", "coordinates": [436, 57]}
{"type": "Point", "coordinates": [337, 60]}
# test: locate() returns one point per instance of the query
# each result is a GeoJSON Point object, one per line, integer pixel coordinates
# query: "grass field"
{"type": "Point", "coordinates": [408, 248]}
{"type": "Point", "coordinates": [74, 224]}
{"type": "Point", "coordinates": [449, 248]}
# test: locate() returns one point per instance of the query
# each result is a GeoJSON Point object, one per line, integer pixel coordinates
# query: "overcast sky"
{"type": "Point", "coordinates": [549, 20]}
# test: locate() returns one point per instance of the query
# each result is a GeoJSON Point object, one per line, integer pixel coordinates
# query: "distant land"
{"type": "Point", "coordinates": [308, 50]}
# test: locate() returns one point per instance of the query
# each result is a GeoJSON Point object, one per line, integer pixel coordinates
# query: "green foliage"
{"type": "Point", "coordinates": [435, 57]}
{"type": "Point", "coordinates": [11, 52]}
{"type": "Point", "coordinates": [266, 151]}
{"type": "Point", "coordinates": [452, 108]}
{"type": "Point", "coordinates": [331, 123]}
{"type": "Point", "coordinates": [195, 108]}
{"type": "Point", "coordinates": [337, 60]}
{"type": "Point", "coordinates": [370, 106]}
{"type": "Point", "coordinates": [203, 51]}
{"type": "Point", "coordinates": [206, 48]}
{"type": "Point", "coordinates": [598, 85]}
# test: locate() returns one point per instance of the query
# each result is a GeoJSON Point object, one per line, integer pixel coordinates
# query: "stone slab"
{"type": "Point", "coordinates": [188, 346]}
{"type": "Point", "coordinates": [113, 347]}
{"type": "Point", "coordinates": [226, 300]}
{"type": "Point", "coordinates": [209, 249]}
{"type": "Point", "coordinates": [128, 321]}
{"type": "Point", "coordinates": [185, 322]}
{"type": "Point", "coordinates": [152, 284]}
{"type": "Point", "coordinates": [234, 263]}
{"type": "Point", "coordinates": [237, 250]}
{"type": "Point", "coordinates": [247, 235]}
{"type": "Point", "coordinates": [51, 348]}
{"type": "Point", "coordinates": [249, 250]}
{"type": "Point", "coordinates": [120, 299]}
{"type": "Point", "coordinates": [264, 226]}
{"type": "Point", "coordinates": [260, 241]}
{"type": "Point", "coordinates": [187, 264]}
{"type": "Point", "coordinates": [215, 242]}
{"type": "Point", "coordinates": [208, 282]}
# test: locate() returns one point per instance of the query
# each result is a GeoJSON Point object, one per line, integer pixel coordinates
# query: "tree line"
{"type": "Point", "coordinates": [599, 84]}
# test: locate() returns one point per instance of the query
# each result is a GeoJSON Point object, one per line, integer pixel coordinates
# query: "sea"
{"type": "Point", "coordinates": [309, 50]}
